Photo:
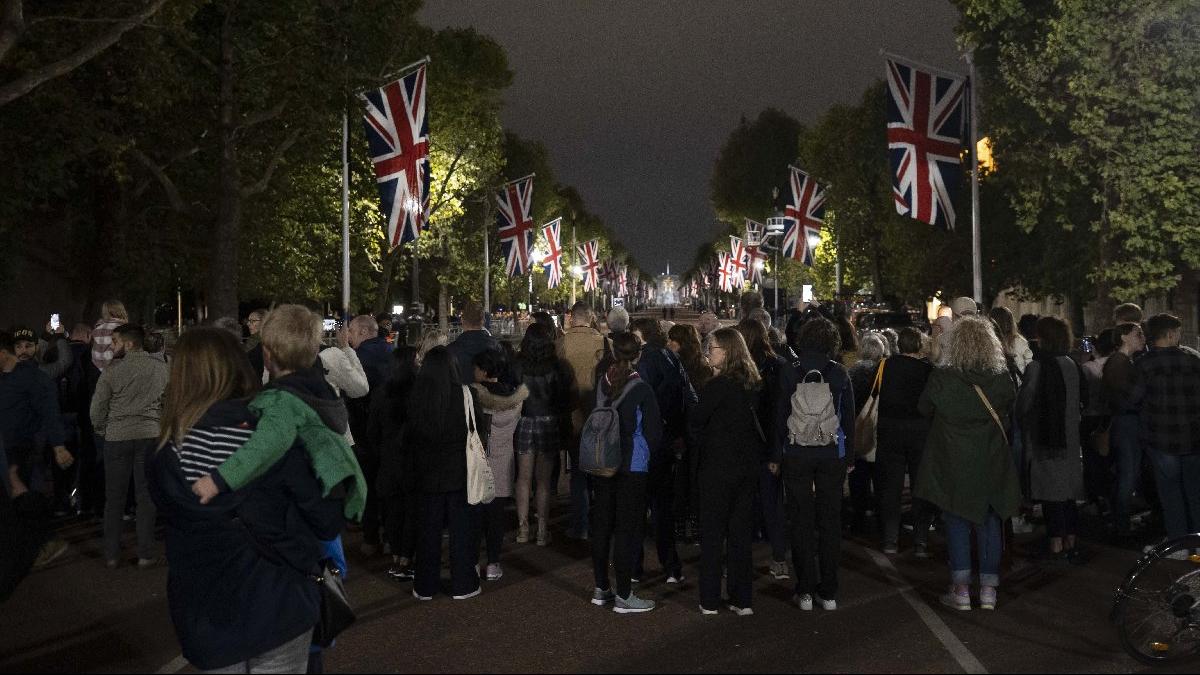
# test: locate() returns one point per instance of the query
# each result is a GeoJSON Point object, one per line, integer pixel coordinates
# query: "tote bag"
{"type": "Point", "coordinates": [481, 484]}
{"type": "Point", "coordinates": [867, 422]}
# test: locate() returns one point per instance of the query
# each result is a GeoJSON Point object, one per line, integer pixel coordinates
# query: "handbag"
{"type": "Point", "coordinates": [988, 404]}
{"type": "Point", "coordinates": [481, 484]}
{"type": "Point", "coordinates": [867, 423]}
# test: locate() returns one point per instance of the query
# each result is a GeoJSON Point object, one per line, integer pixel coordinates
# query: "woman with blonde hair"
{"type": "Point", "coordinates": [112, 315]}
{"type": "Point", "coordinates": [967, 468]}
{"type": "Point", "coordinates": [730, 449]}
{"type": "Point", "coordinates": [1015, 345]}
{"type": "Point", "coordinates": [238, 583]}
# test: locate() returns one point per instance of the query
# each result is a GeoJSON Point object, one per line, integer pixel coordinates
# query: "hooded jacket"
{"type": "Point", "coordinates": [501, 410]}
{"type": "Point", "coordinates": [237, 583]}
{"type": "Point", "coordinates": [466, 346]}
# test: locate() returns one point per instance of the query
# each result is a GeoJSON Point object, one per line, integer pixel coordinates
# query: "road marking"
{"type": "Point", "coordinates": [933, 622]}
{"type": "Point", "coordinates": [176, 664]}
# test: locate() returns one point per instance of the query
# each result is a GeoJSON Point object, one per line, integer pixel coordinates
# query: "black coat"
{"type": "Point", "coordinates": [235, 584]}
{"type": "Point", "coordinates": [385, 432]}
{"type": "Point", "coordinates": [440, 457]}
{"type": "Point", "coordinates": [661, 369]}
{"type": "Point", "coordinates": [723, 431]}
{"type": "Point", "coordinates": [904, 379]}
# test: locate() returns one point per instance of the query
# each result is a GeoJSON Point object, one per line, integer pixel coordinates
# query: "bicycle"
{"type": "Point", "coordinates": [1157, 608]}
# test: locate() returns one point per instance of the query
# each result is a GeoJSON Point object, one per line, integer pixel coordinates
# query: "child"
{"type": "Point", "coordinates": [297, 403]}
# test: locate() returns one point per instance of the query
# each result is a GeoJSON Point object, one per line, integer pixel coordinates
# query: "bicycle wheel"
{"type": "Point", "coordinates": [1157, 609]}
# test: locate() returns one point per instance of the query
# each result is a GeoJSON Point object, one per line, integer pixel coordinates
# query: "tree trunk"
{"type": "Point", "coordinates": [222, 284]}
{"type": "Point", "coordinates": [443, 308]}
{"type": "Point", "coordinates": [384, 296]}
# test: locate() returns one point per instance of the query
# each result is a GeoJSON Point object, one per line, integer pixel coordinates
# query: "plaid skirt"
{"type": "Point", "coordinates": [537, 434]}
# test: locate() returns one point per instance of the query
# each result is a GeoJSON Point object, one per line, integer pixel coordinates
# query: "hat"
{"type": "Point", "coordinates": [24, 335]}
{"type": "Point", "coordinates": [963, 305]}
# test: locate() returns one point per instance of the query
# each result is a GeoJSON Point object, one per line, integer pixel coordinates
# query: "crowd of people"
{"type": "Point", "coordinates": [256, 452]}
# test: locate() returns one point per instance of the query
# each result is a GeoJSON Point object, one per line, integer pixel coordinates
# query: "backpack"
{"type": "Point", "coordinates": [600, 439]}
{"type": "Point", "coordinates": [813, 421]}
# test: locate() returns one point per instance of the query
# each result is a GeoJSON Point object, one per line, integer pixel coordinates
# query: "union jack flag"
{"type": "Point", "coordinates": [726, 270]}
{"type": "Point", "coordinates": [925, 118]}
{"type": "Point", "coordinates": [623, 281]}
{"type": "Point", "coordinates": [589, 261]}
{"type": "Point", "coordinates": [805, 216]}
{"type": "Point", "coordinates": [740, 259]}
{"type": "Point", "coordinates": [553, 259]}
{"type": "Point", "coordinates": [516, 225]}
{"type": "Point", "coordinates": [397, 126]}
{"type": "Point", "coordinates": [757, 260]}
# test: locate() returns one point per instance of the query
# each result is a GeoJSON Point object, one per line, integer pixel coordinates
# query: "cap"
{"type": "Point", "coordinates": [962, 306]}
{"type": "Point", "coordinates": [24, 335]}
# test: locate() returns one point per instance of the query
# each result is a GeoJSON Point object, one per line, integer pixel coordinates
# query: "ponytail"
{"type": "Point", "coordinates": [625, 354]}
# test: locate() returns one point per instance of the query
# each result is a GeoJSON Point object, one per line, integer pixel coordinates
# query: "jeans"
{"type": "Point", "coordinates": [726, 524]}
{"type": "Point", "coordinates": [660, 494]}
{"type": "Point", "coordinates": [770, 497]}
{"type": "Point", "coordinates": [618, 516]}
{"type": "Point", "coordinates": [290, 657]}
{"type": "Point", "coordinates": [958, 542]}
{"type": "Point", "coordinates": [1126, 451]}
{"type": "Point", "coordinates": [1178, 480]}
{"type": "Point", "coordinates": [123, 459]}
{"type": "Point", "coordinates": [814, 498]}
{"type": "Point", "coordinates": [440, 510]}
{"type": "Point", "coordinates": [900, 448]}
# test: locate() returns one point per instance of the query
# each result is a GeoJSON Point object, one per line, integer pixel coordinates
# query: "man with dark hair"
{"type": "Point", "coordinates": [474, 339]}
{"type": "Point", "coordinates": [1127, 312]}
{"type": "Point", "coordinates": [1169, 391]}
{"type": "Point", "coordinates": [125, 412]}
{"type": "Point", "coordinates": [749, 302]}
{"type": "Point", "coordinates": [661, 369]}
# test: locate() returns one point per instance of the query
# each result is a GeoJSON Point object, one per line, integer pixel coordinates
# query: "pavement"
{"type": "Point", "coordinates": [77, 616]}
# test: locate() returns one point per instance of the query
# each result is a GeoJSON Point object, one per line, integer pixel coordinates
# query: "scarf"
{"type": "Point", "coordinates": [1050, 404]}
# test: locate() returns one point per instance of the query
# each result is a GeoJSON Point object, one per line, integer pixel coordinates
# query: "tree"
{"type": "Point", "coordinates": [752, 162]}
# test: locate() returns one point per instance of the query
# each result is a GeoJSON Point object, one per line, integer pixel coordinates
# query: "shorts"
{"type": "Point", "coordinates": [538, 434]}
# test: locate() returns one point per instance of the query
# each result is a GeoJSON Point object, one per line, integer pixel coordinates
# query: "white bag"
{"type": "Point", "coordinates": [481, 484]}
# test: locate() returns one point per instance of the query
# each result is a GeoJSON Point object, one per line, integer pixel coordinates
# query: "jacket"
{"type": "Point", "coordinates": [344, 372]}
{"type": "Point", "coordinates": [300, 406]}
{"type": "Point", "coordinates": [660, 368]}
{"type": "Point", "coordinates": [641, 427]}
{"type": "Point", "coordinates": [375, 356]}
{"type": "Point", "coordinates": [441, 460]}
{"type": "Point", "coordinates": [127, 403]}
{"type": "Point", "coordinates": [551, 393]}
{"type": "Point", "coordinates": [466, 346]}
{"type": "Point", "coordinates": [1119, 379]}
{"type": "Point", "coordinates": [724, 433]}
{"type": "Point", "coordinates": [28, 407]}
{"type": "Point", "coordinates": [838, 378]}
{"type": "Point", "coordinates": [385, 433]}
{"type": "Point", "coordinates": [501, 409]}
{"type": "Point", "coordinates": [904, 379]}
{"type": "Point", "coordinates": [102, 342]}
{"type": "Point", "coordinates": [236, 581]}
{"type": "Point", "coordinates": [967, 466]}
{"type": "Point", "coordinates": [1168, 390]}
{"type": "Point", "coordinates": [583, 347]}
{"type": "Point", "coordinates": [1055, 471]}
{"type": "Point", "coordinates": [64, 355]}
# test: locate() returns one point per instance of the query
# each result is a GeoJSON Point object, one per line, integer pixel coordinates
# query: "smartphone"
{"type": "Point", "coordinates": [55, 322]}
{"type": "Point", "coordinates": [330, 324]}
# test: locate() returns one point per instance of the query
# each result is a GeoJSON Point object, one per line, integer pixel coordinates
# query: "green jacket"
{"type": "Point", "coordinates": [967, 465]}
{"type": "Point", "coordinates": [283, 417]}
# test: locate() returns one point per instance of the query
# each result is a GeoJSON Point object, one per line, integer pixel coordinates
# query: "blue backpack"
{"type": "Point", "coordinates": [600, 439]}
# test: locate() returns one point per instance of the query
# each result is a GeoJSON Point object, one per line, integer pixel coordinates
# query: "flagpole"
{"type": "Point", "coordinates": [571, 269]}
{"type": "Point", "coordinates": [487, 269]}
{"type": "Point", "coordinates": [396, 75]}
{"type": "Point", "coordinates": [346, 214]}
{"type": "Point", "coordinates": [976, 244]}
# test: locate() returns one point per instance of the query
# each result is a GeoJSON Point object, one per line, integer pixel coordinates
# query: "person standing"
{"type": "Point", "coordinates": [583, 347]}
{"type": "Point", "coordinates": [112, 314]}
{"type": "Point", "coordinates": [1048, 409]}
{"type": "Point", "coordinates": [619, 507]}
{"type": "Point", "coordinates": [729, 446]}
{"type": "Point", "coordinates": [474, 339]}
{"type": "Point", "coordinates": [1169, 390]}
{"type": "Point", "coordinates": [1015, 345]}
{"type": "Point", "coordinates": [872, 350]}
{"type": "Point", "coordinates": [125, 411]}
{"type": "Point", "coordinates": [902, 432]}
{"type": "Point", "coordinates": [967, 468]}
{"type": "Point", "coordinates": [375, 356]}
{"type": "Point", "coordinates": [395, 483]}
{"type": "Point", "coordinates": [253, 344]}
{"type": "Point", "coordinates": [1120, 383]}
{"type": "Point", "coordinates": [813, 474]}
{"type": "Point", "coordinates": [501, 410]}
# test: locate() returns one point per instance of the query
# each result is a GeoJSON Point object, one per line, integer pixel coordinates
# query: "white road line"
{"type": "Point", "coordinates": [940, 630]}
{"type": "Point", "coordinates": [176, 664]}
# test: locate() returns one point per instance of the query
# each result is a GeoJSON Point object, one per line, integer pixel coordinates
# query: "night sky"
{"type": "Point", "coordinates": [633, 98]}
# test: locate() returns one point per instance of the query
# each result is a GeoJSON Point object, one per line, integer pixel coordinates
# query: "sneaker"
{"type": "Point", "coordinates": [523, 533]}
{"type": "Point", "coordinates": [707, 612]}
{"type": "Point", "coordinates": [422, 598]}
{"type": "Point", "coordinates": [494, 572]}
{"type": "Point", "coordinates": [829, 605]}
{"type": "Point", "coordinates": [779, 569]}
{"type": "Point", "coordinates": [400, 573]}
{"type": "Point", "coordinates": [601, 597]}
{"type": "Point", "coordinates": [921, 551]}
{"type": "Point", "coordinates": [987, 597]}
{"type": "Point", "coordinates": [804, 602]}
{"type": "Point", "coordinates": [147, 563]}
{"type": "Point", "coordinates": [632, 605]}
{"type": "Point", "coordinates": [51, 551]}
{"type": "Point", "coordinates": [635, 580]}
{"type": "Point", "coordinates": [468, 596]}
{"type": "Point", "coordinates": [741, 611]}
{"type": "Point", "coordinates": [1021, 525]}
{"type": "Point", "coordinates": [959, 601]}
{"type": "Point", "coordinates": [891, 549]}
{"type": "Point", "coordinates": [543, 538]}
{"type": "Point", "coordinates": [676, 578]}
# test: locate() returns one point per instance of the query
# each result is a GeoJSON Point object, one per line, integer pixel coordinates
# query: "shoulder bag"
{"type": "Point", "coordinates": [481, 484]}
{"type": "Point", "coordinates": [867, 422]}
{"type": "Point", "coordinates": [992, 411]}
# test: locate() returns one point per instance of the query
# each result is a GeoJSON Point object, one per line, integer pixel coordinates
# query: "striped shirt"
{"type": "Point", "coordinates": [102, 343]}
{"type": "Point", "coordinates": [205, 449]}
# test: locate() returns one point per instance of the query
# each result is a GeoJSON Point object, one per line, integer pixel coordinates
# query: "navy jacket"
{"type": "Point", "coordinates": [234, 585]}
{"type": "Point", "coordinates": [843, 399]}
{"type": "Point", "coordinates": [376, 358]}
{"type": "Point", "coordinates": [638, 408]}
{"type": "Point", "coordinates": [29, 406]}
{"type": "Point", "coordinates": [660, 368]}
{"type": "Point", "coordinates": [466, 346]}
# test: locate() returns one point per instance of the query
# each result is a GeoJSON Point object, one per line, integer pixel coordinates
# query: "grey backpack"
{"type": "Point", "coordinates": [813, 421]}
{"type": "Point", "coordinates": [600, 439]}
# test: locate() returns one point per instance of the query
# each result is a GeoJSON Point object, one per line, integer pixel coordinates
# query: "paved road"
{"type": "Point", "coordinates": [78, 616]}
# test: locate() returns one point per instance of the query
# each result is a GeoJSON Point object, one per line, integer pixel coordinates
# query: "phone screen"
{"type": "Point", "coordinates": [330, 324]}
{"type": "Point", "coordinates": [54, 322]}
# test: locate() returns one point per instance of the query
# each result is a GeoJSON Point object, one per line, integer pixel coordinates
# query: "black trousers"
{"type": "Point", "coordinates": [726, 508]}
{"type": "Point", "coordinates": [368, 460]}
{"type": "Point", "coordinates": [900, 448]}
{"type": "Point", "coordinates": [618, 516]}
{"type": "Point", "coordinates": [814, 499]}
{"type": "Point", "coordinates": [494, 515]}
{"type": "Point", "coordinates": [400, 523]}
{"type": "Point", "coordinates": [440, 510]}
{"type": "Point", "coordinates": [660, 495]}
{"type": "Point", "coordinates": [1062, 518]}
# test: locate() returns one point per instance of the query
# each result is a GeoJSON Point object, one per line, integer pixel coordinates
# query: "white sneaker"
{"type": "Point", "coordinates": [422, 598]}
{"type": "Point", "coordinates": [827, 604]}
{"type": "Point", "coordinates": [1021, 526]}
{"type": "Point", "coordinates": [494, 572]}
{"type": "Point", "coordinates": [707, 612]}
{"type": "Point", "coordinates": [804, 602]}
{"type": "Point", "coordinates": [676, 579]}
{"type": "Point", "coordinates": [742, 611]}
{"type": "Point", "coordinates": [470, 595]}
